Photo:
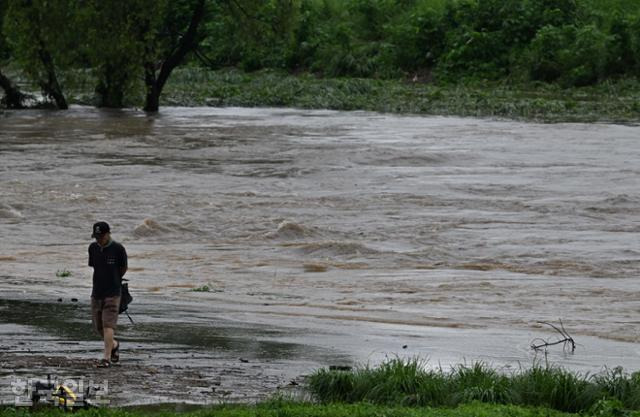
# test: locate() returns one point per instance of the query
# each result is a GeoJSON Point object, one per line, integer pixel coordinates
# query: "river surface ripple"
{"type": "Point", "coordinates": [395, 223]}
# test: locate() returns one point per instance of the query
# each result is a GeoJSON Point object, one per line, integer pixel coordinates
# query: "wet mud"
{"type": "Point", "coordinates": [162, 360]}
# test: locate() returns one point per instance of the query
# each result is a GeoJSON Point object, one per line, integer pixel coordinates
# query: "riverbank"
{"type": "Point", "coordinates": [607, 102]}
{"type": "Point", "coordinates": [165, 358]}
{"type": "Point", "coordinates": [616, 102]}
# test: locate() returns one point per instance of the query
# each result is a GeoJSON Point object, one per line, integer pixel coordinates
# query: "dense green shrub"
{"type": "Point", "coordinates": [251, 34]}
{"type": "Point", "coordinates": [576, 56]}
{"type": "Point", "coordinates": [634, 45]}
{"type": "Point", "coordinates": [574, 42]}
{"type": "Point", "coordinates": [485, 37]}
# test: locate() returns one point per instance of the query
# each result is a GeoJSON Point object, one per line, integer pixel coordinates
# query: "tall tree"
{"type": "Point", "coordinates": [117, 33]}
{"type": "Point", "coordinates": [162, 58]}
{"type": "Point", "coordinates": [133, 40]}
{"type": "Point", "coordinates": [37, 31]}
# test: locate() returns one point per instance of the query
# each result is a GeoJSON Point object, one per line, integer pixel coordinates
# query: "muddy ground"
{"type": "Point", "coordinates": [183, 350]}
{"type": "Point", "coordinates": [162, 360]}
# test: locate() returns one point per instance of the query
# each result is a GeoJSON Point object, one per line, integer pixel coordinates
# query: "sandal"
{"type": "Point", "coordinates": [104, 363]}
{"type": "Point", "coordinates": [115, 355]}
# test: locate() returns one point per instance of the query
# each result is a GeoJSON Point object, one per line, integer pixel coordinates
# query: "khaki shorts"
{"type": "Point", "coordinates": [104, 312]}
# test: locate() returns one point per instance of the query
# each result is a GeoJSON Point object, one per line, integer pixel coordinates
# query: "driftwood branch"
{"type": "Point", "coordinates": [567, 342]}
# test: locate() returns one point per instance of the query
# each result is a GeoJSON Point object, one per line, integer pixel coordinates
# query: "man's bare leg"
{"type": "Point", "coordinates": [108, 342]}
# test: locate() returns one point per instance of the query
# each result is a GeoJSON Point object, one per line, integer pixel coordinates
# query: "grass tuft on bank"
{"type": "Point", "coordinates": [399, 382]}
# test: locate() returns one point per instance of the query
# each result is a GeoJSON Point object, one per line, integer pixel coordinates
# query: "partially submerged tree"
{"type": "Point", "coordinates": [164, 55]}
{"type": "Point", "coordinates": [116, 32]}
{"type": "Point", "coordinates": [36, 30]}
{"type": "Point", "coordinates": [13, 97]}
{"type": "Point", "coordinates": [138, 40]}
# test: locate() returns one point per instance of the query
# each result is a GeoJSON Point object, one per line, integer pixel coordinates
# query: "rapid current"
{"type": "Point", "coordinates": [450, 237]}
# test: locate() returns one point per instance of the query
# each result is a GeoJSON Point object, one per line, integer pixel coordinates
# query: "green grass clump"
{"type": "Point", "coordinates": [620, 386]}
{"type": "Point", "coordinates": [63, 273]}
{"type": "Point", "coordinates": [204, 288]}
{"type": "Point", "coordinates": [409, 382]}
{"type": "Point", "coordinates": [555, 388]}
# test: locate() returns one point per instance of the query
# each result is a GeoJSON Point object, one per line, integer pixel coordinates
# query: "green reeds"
{"type": "Point", "coordinates": [293, 409]}
{"type": "Point", "coordinates": [409, 382]}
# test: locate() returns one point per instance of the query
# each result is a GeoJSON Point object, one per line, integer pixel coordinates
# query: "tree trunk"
{"type": "Point", "coordinates": [50, 87]}
{"type": "Point", "coordinates": [152, 101]}
{"type": "Point", "coordinates": [187, 43]}
{"type": "Point", "coordinates": [111, 88]}
{"type": "Point", "coordinates": [12, 96]}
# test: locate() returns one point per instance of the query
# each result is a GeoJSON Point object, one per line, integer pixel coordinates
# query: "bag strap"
{"type": "Point", "coordinates": [127, 313]}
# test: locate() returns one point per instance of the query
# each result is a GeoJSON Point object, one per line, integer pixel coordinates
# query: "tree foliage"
{"type": "Point", "coordinates": [450, 39]}
{"type": "Point", "coordinates": [13, 98]}
{"type": "Point", "coordinates": [251, 34]}
{"type": "Point", "coordinates": [164, 53]}
{"type": "Point", "coordinates": [132, 46]}
{"type": "Point", "coordinates": [4, 47]}
{"type": "Point", "coordinates": [118, 36]}
{"type": "Point", "coordinates": [42, 42]}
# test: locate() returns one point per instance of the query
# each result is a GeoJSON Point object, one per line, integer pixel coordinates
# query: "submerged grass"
{"type": "Point", "coordinates": [409, 382]}
{"type": "Point", "coordinates": [607, 102]}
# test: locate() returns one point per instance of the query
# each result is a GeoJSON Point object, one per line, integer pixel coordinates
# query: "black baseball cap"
{"type": "Point", "coordinates": [100, 229]}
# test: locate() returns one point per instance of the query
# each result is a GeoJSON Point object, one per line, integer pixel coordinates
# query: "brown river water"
{"type": "Point", "coordinates": [324, 238]}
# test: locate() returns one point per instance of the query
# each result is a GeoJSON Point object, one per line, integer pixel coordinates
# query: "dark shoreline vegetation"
{"type": "Point", "coordinates": [407, 387]}
{"type": "Point", "coordinates": [609, 102]}
{"type": "Point", "coordinates": [617, 102]}
{"type": "Point", "coordinates": [541, 60]}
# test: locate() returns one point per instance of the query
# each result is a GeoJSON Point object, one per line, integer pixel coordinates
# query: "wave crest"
{"type": "Point", "coordinates": [150, 228]}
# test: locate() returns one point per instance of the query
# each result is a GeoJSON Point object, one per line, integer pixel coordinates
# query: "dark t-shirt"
{"type": "Point", "coordinates": [107, 263]}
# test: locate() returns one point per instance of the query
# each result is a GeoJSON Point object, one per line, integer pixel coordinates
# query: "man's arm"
{"type": "Point", "coordinates": [123, 262]}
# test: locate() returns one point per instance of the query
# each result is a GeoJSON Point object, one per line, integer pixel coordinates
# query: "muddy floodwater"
{"type": "Point", "coordinates": [266, 243]}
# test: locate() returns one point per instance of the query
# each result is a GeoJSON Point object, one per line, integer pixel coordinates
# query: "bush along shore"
{"type": "Point", "coordinates": [407, 387]}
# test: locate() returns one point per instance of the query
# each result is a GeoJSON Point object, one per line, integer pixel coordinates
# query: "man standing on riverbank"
{"type": "Point", "coordinates": [109, 261]}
